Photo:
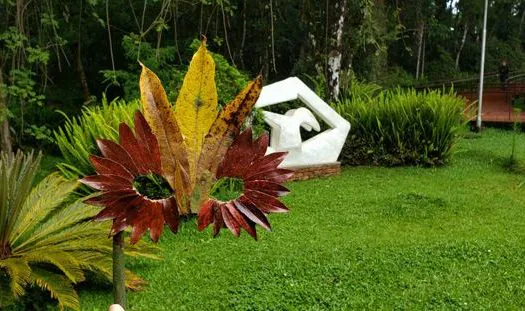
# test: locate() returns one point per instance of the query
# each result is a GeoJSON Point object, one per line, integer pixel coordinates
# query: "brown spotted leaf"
{"type": "Point", "coordinates": [221, 135]}
{"type": "Point", "coordinates": [161, 118]}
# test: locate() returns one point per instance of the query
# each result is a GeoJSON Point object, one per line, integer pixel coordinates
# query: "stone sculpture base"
{"type": "Point", "coordinates": [308, 172]}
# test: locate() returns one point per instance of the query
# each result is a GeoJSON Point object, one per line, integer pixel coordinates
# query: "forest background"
{"type": "Point", "coordinates": [58, 56]}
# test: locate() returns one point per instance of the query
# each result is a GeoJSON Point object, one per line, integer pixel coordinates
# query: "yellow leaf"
{"type": "Point", "coordinates": [220, 136]}
{"type": "Point", "coordinates": [161, 118]}
{"type": "Point", "coordinates": [196, 106]}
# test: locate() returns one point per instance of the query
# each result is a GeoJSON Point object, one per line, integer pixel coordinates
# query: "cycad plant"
{"type": "Point", "coordinates": [45, 238]}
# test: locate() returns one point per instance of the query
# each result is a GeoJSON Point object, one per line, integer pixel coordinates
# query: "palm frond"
{"type": "Point", "coordinates": [17, 172]}
{"type": "Point", "coordinates": [143, 249]}
{"type": "Point", "coordinates": [134, 282]}
{"type": "Point", "coordinates": [63, 219]}
{"type": "Point", "coordinates": [43, 200]}
{"type": "Point", "coordinates": [58, 286]}
{"type": "Point", "coordinates": [66, 262]}
{"type": "Point", "coordinates": [18, 271]}
{"type": "Point", "coordinates": [85, 230]}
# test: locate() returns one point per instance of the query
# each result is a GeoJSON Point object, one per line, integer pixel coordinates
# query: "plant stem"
{"type": "Point", "coordinates": [119, 273]}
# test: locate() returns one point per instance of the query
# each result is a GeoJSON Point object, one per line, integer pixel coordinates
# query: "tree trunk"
{"type": "Point", "coordinates": [5, 136]}
{"type": "Point", "coordinates": [522, 19]}
{"type": "Point", "coordinates": [175, 30]}
{"type": "Point", "coordinates": [243, 36]}
{"type": "Point", "coordinates": [420, 32]}
{"type": "Point", "coordinates": [81, 73]}
{"type": "Point", "coordinates": [423, 58]}
{"type": "Point", "coordinates": [5, 250]}
{"type": "Point", "coordinates": [335, 56]}
{"type": "Point", "coordinates": [272, 36]}
{"type": "Point", "coordinates": [379, 52]}
{"type": "Point", "coordinates": [463, 39]}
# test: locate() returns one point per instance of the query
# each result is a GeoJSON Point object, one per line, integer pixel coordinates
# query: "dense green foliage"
{"type": "Point", "coordinates": [46, 240]}
{"type": "Point", "coordinates": [401, 127]}
{"type": "Point", "coordinates": [153, 186]}
{"type": "Point", "coordinates": [77, 138]}
{"type": "Point", "coordinates": [230, 81]}
{"type": "Point", "coordinates": [373, 238]}
{"type": "Point", "coordinates": [227, 189]}
{"type": "Point", "coordinates": [56, 55]}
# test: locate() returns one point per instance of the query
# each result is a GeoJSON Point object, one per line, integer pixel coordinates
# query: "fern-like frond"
{"type": "Point", "coordinates": [22, 182]}
{"type": "Point", "coordinates": [58, 286]}
{"type": "Point", "coordinates": [143, 249]}
{"type": "Point", "coordinates": [134, 282]}
{"type": "Point", "coordinates": [97, 262]}
{"type": "Point", "coordinates": [17, 172]}
{"type": "Point", "coordinates": [43, 200]}
{"type": "Point", "coordinates": [76, 138]}
{"type": "Point", "coordinates": [95, 243]}
{"type": "Point", "coordinates": [85, 230]}
{"type": "Point", "coordinates": [93, 238]}
{"type": "Point", "coordinates": [67, 217]}
{"type": "Point", "coordinates": [18, 272]}
{"type": "Point", "coordinates": [64, 261]}
{"type": "Point", "coordinates": [103, 265]}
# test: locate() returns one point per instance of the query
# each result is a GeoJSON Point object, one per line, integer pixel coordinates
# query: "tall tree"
{"type": "Point", "coordinates": [336, 17]}
{"type": "Point", "coordinates": [5, 135]}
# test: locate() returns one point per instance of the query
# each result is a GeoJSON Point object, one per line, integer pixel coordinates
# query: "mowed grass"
{"type": "Point", "coordinates": [372, 238]}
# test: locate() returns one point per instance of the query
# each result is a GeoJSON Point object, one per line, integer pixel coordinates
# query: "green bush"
{"type": "Point", "coordinates": [162, 61]}
{"type": "Point", "coordinates": [401, 127]}
{"type": "Point", "coordinates": [359, 90]}
{"type": "Point", "coordinates": [76, 138]}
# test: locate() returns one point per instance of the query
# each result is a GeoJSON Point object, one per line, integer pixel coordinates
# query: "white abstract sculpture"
{"type": "Point", "coordinates": [325, 147]}
{"type": "Point", "coordinates": [286, 129]}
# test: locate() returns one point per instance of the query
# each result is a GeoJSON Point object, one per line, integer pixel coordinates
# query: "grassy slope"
{"type": "Point", "coordinates": [372, 238]}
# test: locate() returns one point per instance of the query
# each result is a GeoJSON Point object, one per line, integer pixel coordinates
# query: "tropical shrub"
{"type": "Point", "coordinates": [76, 138]}
{"type": "Point", "coordinates": [46, 238]}
{"type": "Point", "coordinates": [357, 89]}
{"type": "Point", "coordinates": [401, 127]}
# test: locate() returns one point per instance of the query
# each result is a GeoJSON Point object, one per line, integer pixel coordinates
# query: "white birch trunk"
{"type": "Point", "coordinates": [421, 30]}
{"type": "Point", "coordinates": [463, 39]}
{"type": "Point", "coordinates": [423, 58]}
{"type": "Point", "coordinates": [336, 55]}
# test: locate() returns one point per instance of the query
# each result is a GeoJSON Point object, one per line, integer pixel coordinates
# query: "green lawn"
{"type": "Point", "coordinates": [371, 238]}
